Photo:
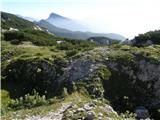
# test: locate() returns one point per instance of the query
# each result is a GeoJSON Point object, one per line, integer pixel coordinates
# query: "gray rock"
{"type": "Point", "coordinates": [100, 118]}
{"type": "Point", "coordinates": [87, 107]}
{"type": "Point", "coordinates": [90, 115]}
{"type": "Point", "coordinates": [100, 114]}
{"type": "Point", "coordinates": [142, 112]}
{"type": "Point", "coordinates": [80, 110]}
{"type": "Point", "coordinates": [110, 109]}
{"type": "Point", "coordinates": [108, 118]}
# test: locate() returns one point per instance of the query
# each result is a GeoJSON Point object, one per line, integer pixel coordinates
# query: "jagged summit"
{"type": "Point", "coordinates": [55, 15]}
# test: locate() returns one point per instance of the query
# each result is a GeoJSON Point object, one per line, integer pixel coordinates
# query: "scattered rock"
{"type": "Point", "coordinates": [13, 29]}
{"type": "Point", "coordinates": [108, 118]}
{"type": "Point", "coordinates": [90, 115]}
{"type": "Point", "coordinates": [80, 110]}
{"type": "Point", "coordinates": [100, 118]}
{"type": "Point", "coordinates": [100, 114]}
{"type": "Point", "coordinates": [110, 109]}
{"type": "Point", "coordinates": [88, 106]}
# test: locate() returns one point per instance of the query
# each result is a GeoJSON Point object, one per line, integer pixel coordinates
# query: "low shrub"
{"type": "Point", "coordinates": [151, 37]}
{"type": "Point", "coordinates": [64, 92]}
{"type": "Point", "coordinates": [71, 53]}
{"type": "Point", "coordinates": [28, 101]}
{"type": "Point", "coordinates": [5, 101]}
{"type": "Point", "coordinates": [15, 36]}
{"type": "Point", "coordinates": [128, 115]}
{"type": "Point", "coordinates": [37, 37]}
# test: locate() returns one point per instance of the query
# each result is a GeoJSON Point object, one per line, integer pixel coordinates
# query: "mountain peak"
{"type": "Point", "coordinates": [55, 15]}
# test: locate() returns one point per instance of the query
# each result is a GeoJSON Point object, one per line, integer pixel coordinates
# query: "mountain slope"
{"type": "Point", "coordinates": [27, 18]}
{"type": "Point", "coordinates": [48, 26]}
{"type": "Point", "coordinates": [12, 21]}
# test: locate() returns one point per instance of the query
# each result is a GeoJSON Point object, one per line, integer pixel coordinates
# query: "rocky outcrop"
{"type": "Point", "coordinates": [142, 112]}
{"type": "Point", "coordinates": [134, 81]}
{"type": "Point", "coordinates": [79, 69]}
{"type": "Point", "coordinates": [138, 70]}
{"type": "Point", "coordinates": [73, 111]}
{"type": "Point", "coordinates": [28, 74]}
{"type": "Point", "coordinates": [91, 111]}
{"type": "Point", "coordinates": [128, 80]}
{"type": "Point", "coordinates": [143, 74]}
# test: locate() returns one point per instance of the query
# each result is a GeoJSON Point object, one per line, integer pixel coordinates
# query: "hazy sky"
{"type": "Point", "coordinates": [126, 17]}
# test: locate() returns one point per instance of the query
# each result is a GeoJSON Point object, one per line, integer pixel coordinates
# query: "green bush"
{"type": "Point", "coordinates": [77, 45]}
{"type": "Point", "coordinates": [5, 101]}
{"type": "Point", "coordinates": [65, 46]}
{"type": "Point", "coordinates": [64, 92]}
{"type": "Point", "coordinates": [28, 101]}
{"type": "Point", "coordinates": [37, 37]}
{"type": "Point", "coordinates": [128, 115]}
{"type": "Point", "coordinates": [141, 40]}
{"type": "Point", "coordinates": [12, 35]}
{"type": "Point", "coordinates": [71, 53]}
{"type": "Point", "coordinates": [104, 73]}
{"type": "Point", "coordinates": [5, 97]}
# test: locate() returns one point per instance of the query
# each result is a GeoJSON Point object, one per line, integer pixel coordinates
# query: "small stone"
{"type": "Point", "coordinates": [80, 110]}
{"type": "Point", "coordinates": [39, 70]}
{"type": "Point", "coordinates": [100, 118]}
{"type": "Point", "coordinates": [9, 60]}
{"type": "Point", "coordinates": [74, 111]}
{"type": "Point", "coordinates": [91, 70]}
{"type": "Point", "coordinates": [90, 115]}
{"type": "Point", "coordinates": [95, 100]}
{"type": "Point", "coordinates": [106, 58]}
{"type": "Point", "coordinates": [75, 106]}
{"type": "Point", "coordinates": [108, 118]}
{"type": "Point", "coordinates": [70, 112]}
{"type": "Point", "coordinates": [88, 107]}
{"type": "Point", "coordinates": [100, 114]}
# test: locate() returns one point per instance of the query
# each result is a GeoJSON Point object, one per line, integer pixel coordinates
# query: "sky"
{"type": "Point", "coordinates": [126, 17]}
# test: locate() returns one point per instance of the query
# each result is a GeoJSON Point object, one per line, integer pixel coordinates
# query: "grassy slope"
{"type": "Point", "coordinates": [75, 98]}
{"type": "Point", "coordinates": [10, 20]}
{"type": "Point", "coordinates": [22, 52]}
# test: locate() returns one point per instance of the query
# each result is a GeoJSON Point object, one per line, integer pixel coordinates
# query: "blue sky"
{"type": "Point", "coordinates": [126, 17]}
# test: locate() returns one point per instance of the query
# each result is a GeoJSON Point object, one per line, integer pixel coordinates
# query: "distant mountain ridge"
{"type": "Point", "coordinates": [75, 29]}
{"type": "Point", "coordinates": [54, 15]}
{"type": "Point", "coordinates": [74, 34]}
{"type": "Point", "coordinates": [66, 27]}
{"type": "Point", "coordinates": [15, 21]}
